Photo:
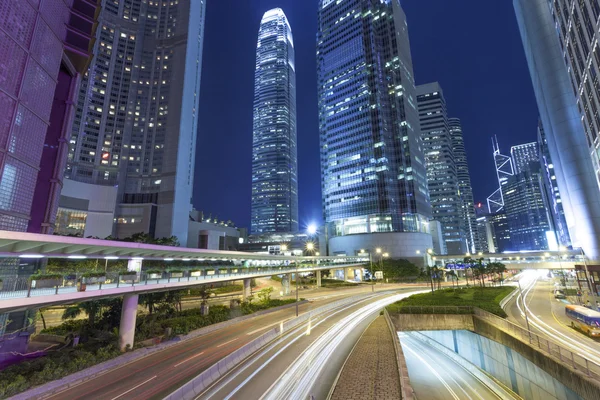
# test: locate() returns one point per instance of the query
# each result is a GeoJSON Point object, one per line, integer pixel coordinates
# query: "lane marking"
{"type": "Point", "coordinates": [433, 371]}
{"type": "Point", "coordinates": [232, 340]}
{"type": "Point", "coordinates": [133, 388]}
{"type": "Point", "coordinates": [187, 359]}
{"type": "Point", "coordinates": [267, 327]}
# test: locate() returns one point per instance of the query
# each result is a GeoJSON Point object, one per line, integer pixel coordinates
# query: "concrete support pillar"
{"type": "Point", "coordinates": [247, 289]}
{"type": "Point", "coordinates": [318, 273]}
{"type": "Point", "coordinates": [285, 283]}
{"type": "Point", "coordinates": [128, 317]}
{"type": "Point", "coordinates": [345, 274]}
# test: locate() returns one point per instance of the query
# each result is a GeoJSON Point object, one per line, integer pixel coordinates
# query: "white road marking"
{"type": "Point", "coordinates": [187, 359]}
{"type": "Point", "coordinates": [232, 340]}
{"type": "Point", "coordinates": [133, 388]}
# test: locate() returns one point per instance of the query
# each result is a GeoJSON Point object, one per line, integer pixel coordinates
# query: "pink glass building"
{"type": "Point", "coordinates": [45, 46]}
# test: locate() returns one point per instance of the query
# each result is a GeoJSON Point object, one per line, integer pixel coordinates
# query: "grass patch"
{"type": "Point", "coordinates": [487, 299]}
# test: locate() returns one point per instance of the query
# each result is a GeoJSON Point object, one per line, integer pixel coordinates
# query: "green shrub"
{"type": "Point", "coordinates": [93, 274]}
{"type": "Point", "coordinates": [227, 289]}
{"type": "Point", "coordinates": [154, 271]}
{"type": "Point", "coordinates": [40, 277]}
{"type": "Point", "coordinates": [487, 299]}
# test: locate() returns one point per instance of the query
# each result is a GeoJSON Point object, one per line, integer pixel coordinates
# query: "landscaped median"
{"type": "Point", "coordinates": [454, 301]}
{"type": "Point", "coordinates": [99, 335]}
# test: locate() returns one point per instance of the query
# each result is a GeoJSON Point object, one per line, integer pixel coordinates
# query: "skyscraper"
{"type": "Point", "coordinates": [442, 179]}
{"type": "Point", "coordinates": [44, 48]}
{"type": "Point", "coordinates": [373, 170]}
{"type": "Point", "coordinates": [464, 186]}
{"type": "Point", "coordinates": [523, 155]}
{"type": "Point", "coordinates": [551, 191]}
{"type": "Point", "coordinates": [134, 135]}
{"type": "Point", "coordinates": [568, 143]}
{"type": "Point", "coordinates": [526, 212]}
{"type": "Point", "coordinates": [274, 147]}
{"type": "Point", "coordinates": [40, 66]}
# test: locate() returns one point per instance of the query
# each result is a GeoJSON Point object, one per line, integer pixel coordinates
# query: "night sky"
{"type": "Point", "coordinates": [471, 47]}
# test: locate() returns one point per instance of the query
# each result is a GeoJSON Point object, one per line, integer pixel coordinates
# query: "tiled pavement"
{"type": "Point", "coordinates": [371, 371]}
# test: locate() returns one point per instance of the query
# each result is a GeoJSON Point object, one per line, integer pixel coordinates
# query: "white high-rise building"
{"type": "Point", "coordinates": [561, 47]}
{"type": "Point", "coordinates": [274, 147]}
{"type": "Point", "coordinates": [134, 134]}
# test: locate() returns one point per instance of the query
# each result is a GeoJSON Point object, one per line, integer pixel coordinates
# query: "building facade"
{"type": "Point", "coordinates": [45, 47]}
{"type": "Point", "coordinates": [523, 155]}
{"type": "Point", "coordinates": [274, 146]}
{"type": "Point", "coordinates": [136, 122]}
{"type": "Point", "coordinates": [372, 165]}
{"type": "Point", "coordinates": [464, 186]}
{"type": "Point", "coordinates": [551, 192]}
{"type": "Point", "coordinates": [551, 65]}
{"type": "Point", "coordinates": [41, 62]}
{"type": "Point", "coordinates": [442, 180]}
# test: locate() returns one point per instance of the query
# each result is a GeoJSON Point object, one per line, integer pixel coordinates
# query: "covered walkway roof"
{"type": "Point", "coordinates": [32, 245]}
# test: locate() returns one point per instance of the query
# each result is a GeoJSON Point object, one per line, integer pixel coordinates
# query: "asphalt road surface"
{"type": "Point", "coordinates": [305, 361]}
{"type": "Point", "coordinates": [547, 316]}
{"type": "Point", "coordinates": [159, 374]}
{"type": "Point", "coordinates": [434, 376]}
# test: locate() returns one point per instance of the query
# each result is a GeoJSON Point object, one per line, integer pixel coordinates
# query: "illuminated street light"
{"type": "Point", "coordinates": [310, 246]}
{"type": "Point", "coordinates": [418, 251]}
{"type": "Point", "coordinates": [317, 254]}
{"type": "Point", "coordinates": [284, 247]}
{"type": "Point", "coordinates": [430, 251]}
{"type": "Point", "coordinates": [378, 250]}
{"type": "Point", "coordinates": [386, 254]}
{"type": "Point", "coordinates": [311, 229]}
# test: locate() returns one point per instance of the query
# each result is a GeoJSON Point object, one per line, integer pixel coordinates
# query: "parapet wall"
{"type": "Point", "coordinates": [525, 369]}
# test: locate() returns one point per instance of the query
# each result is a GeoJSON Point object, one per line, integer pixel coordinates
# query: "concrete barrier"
{"type": "Point", "coordinates": [496, 386]}
{"type": "Point", "coordinates": [202, 382]}
{"type": "Point", "coordinates": [51, 388]}
{"type": "Point", "coordinates": [432, 322]}
{"type": "Point", "coordinates": [407, 391]}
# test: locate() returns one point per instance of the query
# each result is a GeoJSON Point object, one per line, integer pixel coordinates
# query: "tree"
{"type": "Point", "coordinates": [92, 308]}
{"type": "Point", "coordinates": [398, 269]}
{"type": "Point", "coordinates": [453, 276]}
{"type": "Point", "coordinates": [468, 263]}
{"type": "Point", "coordinates": [264, 295]}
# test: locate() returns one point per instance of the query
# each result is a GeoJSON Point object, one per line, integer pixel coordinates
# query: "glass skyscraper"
{"type": "Point", "coordinates": [137, 117]}
{"type": "Point", "coordinates": [564, 71]}
{"type": "Point", "coordinates": [274, 147]}
{"type": "Point", "coordinates": [469, 218]}
{"type": "Point", "coordinates": [442, 178]}
{"type": "Point", "coordinates": [372, 163]}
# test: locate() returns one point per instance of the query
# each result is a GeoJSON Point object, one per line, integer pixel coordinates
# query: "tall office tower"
{"type": "Point", "coordinates": [274, 147]}
{"type": "Point", "coordinates": [501, 232]}
{"type": "Point", "coordinates": [373, 172]}
{"type": "Point", "coordinates": [523, 155]}
{"type": "Point", "coordinates": [525, 208]}
{"type": "Point", "coordinates": [551, 191]}
{"type": "Point", "coordinates": [442, 179]}
{"type": "Point", "coordinates": [134, 136]}
{"type": "Point", "coordinates": [568, 142]}
{"type": "Point", "coordinates": [504, 170]}
{"type": "Point", "coordinates": [45, 47]}
{"type": "Point", "coordinates": [464, 186]}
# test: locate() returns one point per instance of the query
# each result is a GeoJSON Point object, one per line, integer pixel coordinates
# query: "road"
{"type": "Point", "coordinates": [547, 316]}
{"type": "Point", "coordinates": [157, 375]}
{"type": "Point", "coordinates": [434, 376]}
{"type": "Point", "coordinates": [305, 361]}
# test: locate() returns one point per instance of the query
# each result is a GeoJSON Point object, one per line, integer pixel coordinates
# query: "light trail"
{"type": "Point", "coordinates": [296, 382]}
{"type": "Point", "coordinates": [573, 344]}
{"type": "Point", "coordinates": [299, 329]}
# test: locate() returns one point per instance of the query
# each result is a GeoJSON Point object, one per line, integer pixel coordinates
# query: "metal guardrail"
{"type": "Point", "coordinates": [23, 287]}
{"type": "Point", "coordinates": [543, 344]}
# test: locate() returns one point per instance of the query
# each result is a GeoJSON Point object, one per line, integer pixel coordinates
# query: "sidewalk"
{"type": "Point", "coordinates": [371, 371]}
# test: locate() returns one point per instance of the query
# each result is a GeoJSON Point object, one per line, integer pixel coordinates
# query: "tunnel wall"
{"type": "Point", "coordinates": [505, 364]}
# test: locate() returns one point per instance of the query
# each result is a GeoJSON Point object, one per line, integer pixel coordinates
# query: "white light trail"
{"type": "Point", "coordinates": [296, 382]}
